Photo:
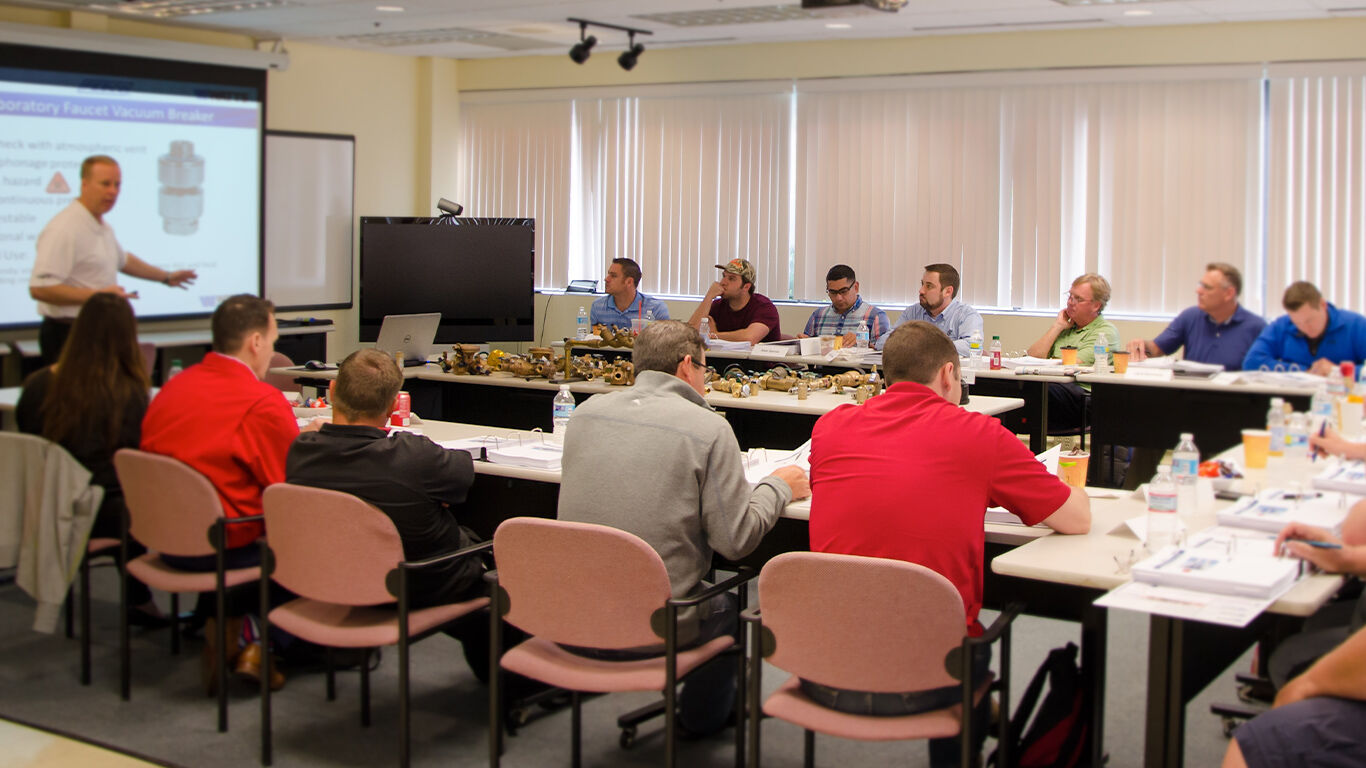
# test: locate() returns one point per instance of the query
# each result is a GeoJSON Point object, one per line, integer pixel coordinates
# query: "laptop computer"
{"type": "Point", "coordinates": [410, 334]}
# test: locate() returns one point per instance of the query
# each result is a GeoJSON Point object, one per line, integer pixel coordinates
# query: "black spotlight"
{"type": "Point", "coordinates": [628, 59]}
{"type": "Point", "coordinates": [582, 49]}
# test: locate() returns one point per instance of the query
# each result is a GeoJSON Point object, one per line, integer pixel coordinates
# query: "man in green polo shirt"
{"type": "Point", "coordinates": [1079, 324]}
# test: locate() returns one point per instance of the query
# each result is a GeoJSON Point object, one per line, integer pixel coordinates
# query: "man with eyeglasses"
{"type": "Point", "coordinates": [1216, 330]}
{"type": "Point", "coordinates": [737, 313]}
{"type": "Point", "coordinates": [1080, 324]}
{"type": "Point", "coordinates": [687, 498]}
{"type": "Point", "coordinates": [846, 310]}
{"type": "Point", "coordinates": [938, 289]}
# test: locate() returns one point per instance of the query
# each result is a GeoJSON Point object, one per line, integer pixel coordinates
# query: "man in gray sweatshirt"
{"type": "Point", "coordinates": [680, 486]}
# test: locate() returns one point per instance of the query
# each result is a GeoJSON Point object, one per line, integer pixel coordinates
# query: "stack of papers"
{"type": "Point", "coordinates": [1272, 510]}
{"type": "Point", "coordinates": [729, 346]}
{"type": "Point", "coordinates": [1282, 379]}
{"type": "Point", "coordinates": [760, 462]}
{"type": "Point", "coordinates": [474, 446]}
{"type": "Point", "coordinates": [529, 454]}
{"type": "Point", "coordinates": [1224, 561]}
{"type": "Point", "coordinates": [1049, 459]}
{"type": "Point", "coordinates": [1027, 360]}
{"type": "Point", "coordinates": [1345, 476]}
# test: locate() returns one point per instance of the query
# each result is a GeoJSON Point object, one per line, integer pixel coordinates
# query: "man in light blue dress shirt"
{"type": "Point", "coordinates": [623, 303]}
{"type": "Point", "coordinates": [938, 291]}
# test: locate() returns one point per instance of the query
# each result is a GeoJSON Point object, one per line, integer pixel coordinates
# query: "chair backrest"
{"type": "Point", "coordinates": [282, 381]}
{"type": "Point", "coordinates": [171, 506]}
{"type": "Point", "coordinates": [860, 623]}
{"type": "Point", "coordinates": [579, 583]}
{"type": "Point", "coordinates": [330, 546]}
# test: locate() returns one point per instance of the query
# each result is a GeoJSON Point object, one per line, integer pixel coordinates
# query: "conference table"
{"type": "Point", "coordinates": [1183, 656]}
{"type": "Point", "coordinates": [769, 419]}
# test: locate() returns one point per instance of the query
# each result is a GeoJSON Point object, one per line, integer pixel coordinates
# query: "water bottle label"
{"type": "Point", "coordinates": [1161, 502]}
{"type": "Point", "coordinates": [1185, 466]}
{"type": "Point", "coordinates": [562, 410]}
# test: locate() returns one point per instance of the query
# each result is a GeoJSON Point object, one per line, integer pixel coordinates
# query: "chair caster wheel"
{"type": "Point", "coordinates": [1230, 725]}
{"type": "Point", "coordinates": [518, 717]}
{"type": "Point", "coordinates": [628, 738]}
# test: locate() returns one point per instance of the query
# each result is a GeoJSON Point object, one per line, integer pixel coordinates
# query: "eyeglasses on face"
{"type": "Point", "coordinates": [839, 291]}
{"type": "Point", "coordinates": [1073, 298]}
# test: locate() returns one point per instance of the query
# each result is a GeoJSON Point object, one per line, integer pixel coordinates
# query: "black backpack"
{"type": "Point", "coordinates": [1057, 736]}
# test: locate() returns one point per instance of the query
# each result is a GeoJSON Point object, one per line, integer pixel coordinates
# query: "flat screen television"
{"type": "Point", "coordinates": [479, 273]}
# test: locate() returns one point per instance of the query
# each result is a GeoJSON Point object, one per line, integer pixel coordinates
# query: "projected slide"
{"type": "Point", "coordinates": [191, 182]}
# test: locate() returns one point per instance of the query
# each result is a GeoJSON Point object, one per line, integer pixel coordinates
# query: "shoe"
{"type": "Point", "coordinates": [249, 663]}
{"type": "Point", "coordinates": [208, 664]}
{"type": "Point", "coordinates": [145, 620]}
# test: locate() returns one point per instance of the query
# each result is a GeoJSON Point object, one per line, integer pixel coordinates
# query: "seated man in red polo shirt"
{"type": "Point", "coordinates": [909, 476]}
{"type": "Point", "coordinates": [219, 417]}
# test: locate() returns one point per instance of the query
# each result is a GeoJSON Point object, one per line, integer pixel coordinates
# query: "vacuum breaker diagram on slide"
{"type": "Point", "coordinates": [181, 199]}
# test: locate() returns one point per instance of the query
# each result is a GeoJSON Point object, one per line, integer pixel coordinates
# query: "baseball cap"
{"type": "Point", "coordinates": [739, 267]}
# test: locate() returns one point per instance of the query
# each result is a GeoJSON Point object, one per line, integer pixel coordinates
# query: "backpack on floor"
{"type": "Point", "coordinates": [1056, 738]}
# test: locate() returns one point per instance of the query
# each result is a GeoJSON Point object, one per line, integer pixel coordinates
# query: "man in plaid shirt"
{"type": "Point", "coordinates": [846, 310]}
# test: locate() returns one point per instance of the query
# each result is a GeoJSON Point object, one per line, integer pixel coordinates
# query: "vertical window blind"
{"type": "Point", "coordinates": [1021, 179]}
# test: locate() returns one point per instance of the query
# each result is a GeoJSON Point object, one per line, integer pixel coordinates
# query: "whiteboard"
{"type": "Point", "coordinates": [309, 215]}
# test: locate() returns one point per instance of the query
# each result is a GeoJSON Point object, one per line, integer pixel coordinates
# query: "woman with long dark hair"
{"type": "Point", "coordinates": [91, 402]}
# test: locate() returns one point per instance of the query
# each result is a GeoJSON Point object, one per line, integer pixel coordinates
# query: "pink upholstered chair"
{"type": "Point", "coordinates": [866, 624]}
{"type": "Point", "coordinates": [596, 587]}
{"type": "Point", "coordinates": [344, 559]}
{"type": "Point", "coordinates": [282, 381]}
{"type": "Point", "coordinates": [175, 510]}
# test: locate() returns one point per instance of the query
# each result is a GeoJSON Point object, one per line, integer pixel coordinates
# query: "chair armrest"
{"type": "Point", "coordinates": [998, 626]}
{"type": "Point", "coordinates": [459, 553]}
{"type": "Point", "coordinates": [745, 574]}
{"type": "Point", "coordinates": [751, 615]}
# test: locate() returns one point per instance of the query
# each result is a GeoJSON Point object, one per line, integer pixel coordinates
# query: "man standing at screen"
{"type": "Point", "coordinates": [624, 302]}
{"type": "Point", "coordinates": [78, 256]}
{"type": "Point", "coordinates": [737, 313]}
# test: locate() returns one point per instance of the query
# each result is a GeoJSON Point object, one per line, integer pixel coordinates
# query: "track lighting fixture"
{"type": "Point", "coordinates": [581, 50]}
{"type": "Point", "coordinates": [627, 60]}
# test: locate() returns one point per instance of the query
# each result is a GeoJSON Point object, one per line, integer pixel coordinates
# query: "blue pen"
{"type": "Point", "coordinates": [1323, 428]}
{"type": "Point", "coordinates": [1318, 544]}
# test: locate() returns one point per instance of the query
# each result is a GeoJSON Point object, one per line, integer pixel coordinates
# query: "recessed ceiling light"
{"type": "Point", "coordinates": [1138, 12]}
{"type": "Point", "coordinates": [839, 26]}
{"type": "Point", "coordinates": [389, 8]}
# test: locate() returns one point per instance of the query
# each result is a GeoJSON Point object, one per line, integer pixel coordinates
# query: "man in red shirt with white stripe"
{"type": "Point", "coordinates": [909, 476]}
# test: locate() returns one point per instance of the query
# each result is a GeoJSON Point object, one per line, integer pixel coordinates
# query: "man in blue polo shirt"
{"type": "Point", "coordinates": [845, 311]}
{"type": "Point", "coordinates": [1313, 335]}
{"type": "Point", "coordinates": [1216, 330]}
{"type": "Point", "coordinates": [623, 303]}
{"type": "Point", "coordinates": [939, 307]}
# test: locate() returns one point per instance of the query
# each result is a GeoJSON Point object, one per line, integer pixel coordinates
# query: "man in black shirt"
{"type": "Point", "coordinates": [408, 477]}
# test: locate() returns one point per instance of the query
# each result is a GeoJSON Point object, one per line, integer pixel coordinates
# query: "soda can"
{"type": "Point", "coordinates": [403, 410]}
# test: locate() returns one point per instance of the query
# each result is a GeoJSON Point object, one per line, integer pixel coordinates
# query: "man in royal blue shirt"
{"type": "Point", "coordinates": [624, 302]}
{"type": "Point", "coordinates": [1216, 330]}
{"type": "Point", "coordinates": [1312, 335]}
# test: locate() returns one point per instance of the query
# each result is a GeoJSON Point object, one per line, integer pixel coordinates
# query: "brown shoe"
{"type": "Point", "coordinates": [208, 665]}
{"type": "Point", "coordinates": [249, 664]}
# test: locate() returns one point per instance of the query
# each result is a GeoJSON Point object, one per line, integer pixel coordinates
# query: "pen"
{"type": "Point", "coordinates": [1314, 453]}
{"type": "Point", "coordinates": [1319, 544]}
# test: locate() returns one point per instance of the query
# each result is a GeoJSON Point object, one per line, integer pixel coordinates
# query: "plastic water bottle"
{"type": "Point", "coordinates": [1275, 424]}
{"type": "Point", "coordinates": [995, 353]}
{"type": "Point", "coordinates": [1321, 405]}
{"type": "Point", "coordinates": [175, 368]}
{"type": "Point", "coordinates": [1297, 436]}
{"type": "Point", "coordinates": [1185, 468]}
{"type": "Point", "coordinates": [975, 350]}
{"type": "Point", "coordinates": [561, 408]}
{"type": "Point", "coordinates": [861, 335]}
{"type": "Point", "coordinates": [704, 329]}
{"type": "Point", "coordinates": [581, 325]}
{"type": "Point", "coordinates": [649, 316]}
{"type": "Point", "coordinates": [1162, 519]}
{"type": "Point", "coordinates": [1102, 355]}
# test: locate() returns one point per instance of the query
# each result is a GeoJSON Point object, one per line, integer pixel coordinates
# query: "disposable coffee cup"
{"type": "Point", "coordinates": [637, 325]}
{"type": "Point", "coordinates": [1121, 360]}
{"type": "Point", "coordinates": [1069, 355]}
{"type": "Point", "coordinates": [1256, 447]}
{"type": "Point", "coordinates": [1072, 468]}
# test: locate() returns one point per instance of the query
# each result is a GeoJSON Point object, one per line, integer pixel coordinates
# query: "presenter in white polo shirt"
{"type": "Point", "coordinates": [79, 256]}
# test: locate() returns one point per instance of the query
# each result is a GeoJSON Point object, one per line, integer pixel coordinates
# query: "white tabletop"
{"type": "Point", "coordinates": [29, 347]}
{"type": "Point", "coordinates": [9, 398]}
{"type": "Point", "coordinates": [1090, 560]}
{"type": "Point", "coordinates": [1195, 383]}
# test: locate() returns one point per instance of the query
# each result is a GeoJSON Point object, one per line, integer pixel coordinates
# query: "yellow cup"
{"type": "Point", "coordinates": [1256, 447]}
{"type": "Point", "coordinates": [1121, 361]}
{"type": "Point", "coordinates": [1072, 468]}
{"type": "Point", "coordinates": [1069, 355]}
